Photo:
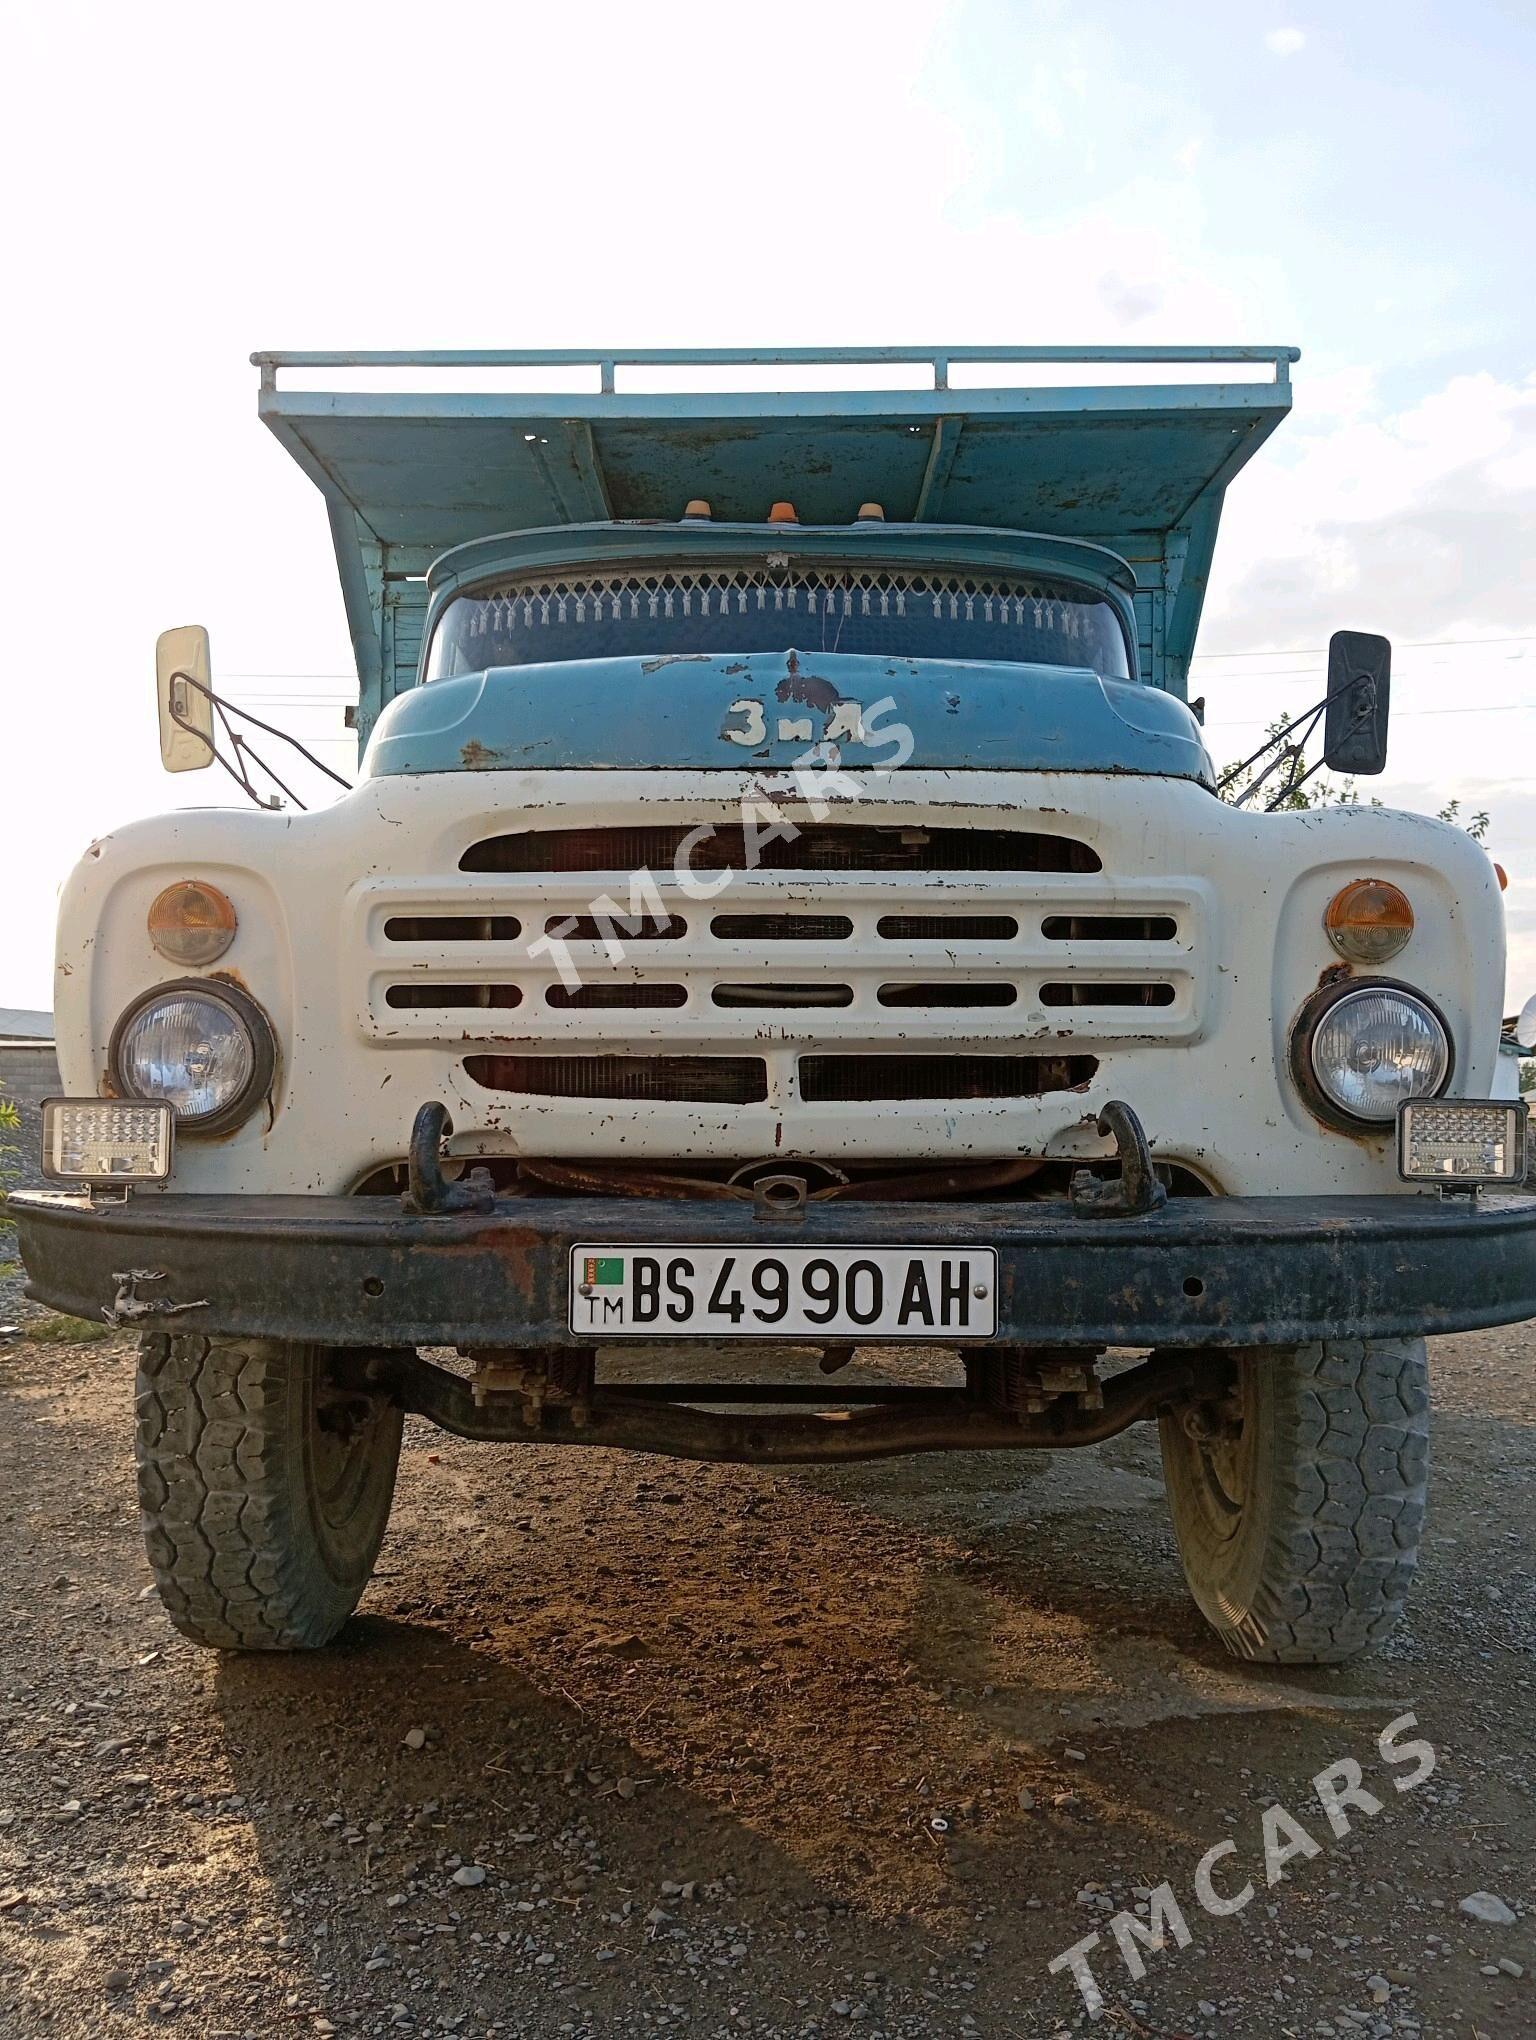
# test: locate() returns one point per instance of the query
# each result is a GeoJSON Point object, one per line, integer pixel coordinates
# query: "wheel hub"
{"type": "Point", "coordinates": [1222, 1433]}
{"type": "Point", "coordinates": [342, 1436]}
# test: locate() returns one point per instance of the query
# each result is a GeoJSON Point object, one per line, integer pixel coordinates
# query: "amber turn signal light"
{"type": "Point", "coordinates": [191, 923]}
{"type": "Point", "coordinates": [1369, 921]}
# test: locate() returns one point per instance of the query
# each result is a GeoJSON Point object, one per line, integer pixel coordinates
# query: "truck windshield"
{"type": "Point", "coordinates": [932, 614]}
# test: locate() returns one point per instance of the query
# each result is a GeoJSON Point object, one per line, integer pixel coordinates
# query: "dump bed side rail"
{"type": "Point", "coordinates": [609, 360]}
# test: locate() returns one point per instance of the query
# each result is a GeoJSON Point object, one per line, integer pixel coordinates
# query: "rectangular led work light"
{"type": "Point", "coordinates": [106, 1140]}
{"type": "Point", "coordinates": [1461, 1142]}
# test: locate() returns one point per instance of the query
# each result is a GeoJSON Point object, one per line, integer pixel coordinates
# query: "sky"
{"type": "Point", "coordinates": [189, 183]}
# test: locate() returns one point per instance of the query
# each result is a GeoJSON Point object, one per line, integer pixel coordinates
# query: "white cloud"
{"type": "Point", "coordinates": [1420, 522]}
{"type": "Point", "coordinates": [1126, 301]}
{"type": "Point", "coordinates": [1285, 42]}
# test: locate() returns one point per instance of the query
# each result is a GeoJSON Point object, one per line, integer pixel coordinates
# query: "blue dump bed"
{"type": "Point", "coordinates": [1139, 468]}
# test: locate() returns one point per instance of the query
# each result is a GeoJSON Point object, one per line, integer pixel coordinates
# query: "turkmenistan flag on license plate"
{"type": "Point", "coordinates": [605, 1269]}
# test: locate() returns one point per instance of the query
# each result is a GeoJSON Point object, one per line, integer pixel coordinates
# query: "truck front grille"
{"type": "Point", "coordinates": [869, 963]}
{"type": "Point", "coordinates": [695, 1079]}
{"type": "Point", "coordinates": [829, 1079]}
{"type": "Point", "coordinates": [824, 846]}
{"type": "Point", "coordinates": [743, 1080]}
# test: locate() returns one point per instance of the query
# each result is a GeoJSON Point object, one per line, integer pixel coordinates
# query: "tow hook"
{"type": "Point", "coordinates": [430, 1191]}
{"type": "Point", "coordinates": [1137, 1191]}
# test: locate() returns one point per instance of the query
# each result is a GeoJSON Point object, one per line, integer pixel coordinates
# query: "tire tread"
{"type": "Point", "coordinates": [1347, 1467]}
{"type": "Point", "coordinates": [225, 1521]}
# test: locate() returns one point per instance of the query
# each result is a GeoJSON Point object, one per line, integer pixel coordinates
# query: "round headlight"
{"type": "Point", "coordinates": [1362, 1048]}
{"type": "Point", "coordinates": [206, 1049]}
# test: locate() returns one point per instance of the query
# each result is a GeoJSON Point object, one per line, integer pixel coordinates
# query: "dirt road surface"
{"type": "Point", "coordinates": [619, 1746]}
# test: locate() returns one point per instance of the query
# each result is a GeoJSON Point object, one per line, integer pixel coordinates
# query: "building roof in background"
{"type": "Point", "coordinates": [22, 1023]}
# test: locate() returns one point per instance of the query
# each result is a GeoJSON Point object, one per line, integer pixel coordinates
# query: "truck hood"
{"type": "Point", "coordinates": [710, 710]}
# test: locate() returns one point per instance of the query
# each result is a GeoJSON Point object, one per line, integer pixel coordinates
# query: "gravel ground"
{"type": "Point", "coordinates": [26, 1077]}
{"type": "Point", "coordinates": [622, 1746]}
{"type": "Point", "coordinates": [17, 1310]}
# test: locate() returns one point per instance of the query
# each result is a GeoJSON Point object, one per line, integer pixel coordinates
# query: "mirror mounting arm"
{"type": "Point", "coordinates": [1283, 749]}
{"type": "Point", "coordinates": [1296, 781]}
{"type": "Point", "coordinates": [1354, 717]}
{"type": "Point", "coordinates": [238, 771]}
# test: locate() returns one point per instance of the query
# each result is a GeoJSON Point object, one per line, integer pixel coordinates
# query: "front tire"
{"type": "Point", "coordinates": [1298, 1502]}
{"type": "Point", "coordinates": [264, 1492]}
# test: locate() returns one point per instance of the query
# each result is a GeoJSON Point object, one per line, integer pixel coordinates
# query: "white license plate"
{"type": "Point", "coordinates": [864, 1293]}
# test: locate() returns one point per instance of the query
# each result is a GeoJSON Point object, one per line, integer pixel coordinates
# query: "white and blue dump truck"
{"type": "Point", "coordinates": [785, 907]}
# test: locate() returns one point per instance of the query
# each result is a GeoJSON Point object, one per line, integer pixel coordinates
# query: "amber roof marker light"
{"type": "Point", "coordinates": [1369, 921]}
{"type": "Point", "coordinates": [192, 923]}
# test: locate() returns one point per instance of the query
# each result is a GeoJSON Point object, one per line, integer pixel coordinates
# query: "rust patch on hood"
{"type": "Point", "coordinates": [806, 688]}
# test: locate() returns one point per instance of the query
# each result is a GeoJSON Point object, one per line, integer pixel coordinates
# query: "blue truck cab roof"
{"type": "Point", "coordinates": [1112, 491]}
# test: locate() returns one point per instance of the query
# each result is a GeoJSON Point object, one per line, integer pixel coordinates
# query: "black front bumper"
{"type": "Point", "coordinates": [1201, 1272]}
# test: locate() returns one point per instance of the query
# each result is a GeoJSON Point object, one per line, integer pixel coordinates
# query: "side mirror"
{"type": "Point", "coordinates": [183, 676]}
{"type": "Point", "coordinates": [1359, 695]}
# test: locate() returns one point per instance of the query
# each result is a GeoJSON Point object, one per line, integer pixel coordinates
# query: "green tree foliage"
{"type": "Point", "coordinates": [10, 1122]}
{"type": "Point", "coordinates": [1476, 825]}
